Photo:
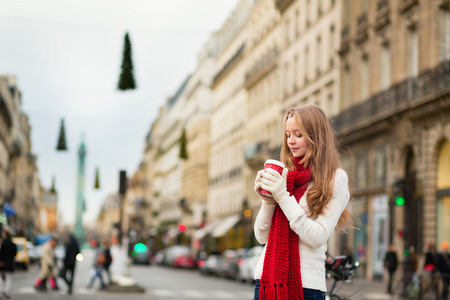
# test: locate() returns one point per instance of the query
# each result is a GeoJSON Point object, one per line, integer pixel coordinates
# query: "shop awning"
{"type": "Point", "coordinates": [199, 234]}
{"type": "Point", "coordinates": [225, 225]}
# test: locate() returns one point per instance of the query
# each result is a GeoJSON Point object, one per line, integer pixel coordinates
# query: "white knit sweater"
{"type": "Point", "coordinates": [313, 233]}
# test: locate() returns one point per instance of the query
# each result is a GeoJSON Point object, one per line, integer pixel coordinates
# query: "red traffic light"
{"type": "Point", "coordinates": [182, 228]}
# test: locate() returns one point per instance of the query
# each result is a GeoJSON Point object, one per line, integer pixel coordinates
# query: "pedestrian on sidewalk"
{"type": "Point", "coordinates": [97, 268]}
{"type": "Point", "coordinates": [430, 257]}
{"type": "Point", "coordinates": [70, 259]}
{"type": "Point", "coordinates": [391, 263]}
{"type": "Point", "coordinates": [8, 251]}
{"type": "Point", "coordinates": [443, 264]}
{"type": "Point", "coordinates": [108, 261]}
{"type": "Point", "coordinates": [309, 201]}
{"type": "Point", "coordinates": [48, 266]}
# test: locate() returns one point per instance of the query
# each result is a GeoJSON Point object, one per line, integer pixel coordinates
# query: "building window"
{"type": "Point", "coordinates": [413, 53]}
{"type": "Point", "coordinates": [360, 238]}
{"type": "Point", "coordinates": [286, 72]}
{"type": "Point", "coordinates": [362, 170]}
{"type": "Point", "coordinates": [443, 193]}
{"type": "Point", "coordinates": [444, 32]}
{"type": "Point", "coordinates": [332, 45]}
{"type": "Point", "coordinates": [365, 5]}
{"type": "Point", "coordinates": [347, 12]}
{"type": "Point", "coordinates": [308, 12]}
{"type": "Point", "coordinates": [385, 64]}
{"type": "Point", "coordinates": [319, 55]}
{"type": "Point", "coordinates": [329, 108]}
{"type": "Point", "coordinates": [306, 64]}
{"type": "Point", "coordinates": [295, 79]}
{"type": "Point", "coordinates": [287, 33]}
{"type": "Point", "coordinates": [347, 91]}
{"type": "Point", "coordinates": [379, 166]}
{"type": "Point", "coordinates": [297, 23]}
{"type": "Point", "coordinates": [364, 88]}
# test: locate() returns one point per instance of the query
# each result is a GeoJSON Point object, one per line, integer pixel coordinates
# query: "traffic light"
{"type": "Point", "coordinates": [399, 191]}
{"type": "Point", "coordinates": [181, 228]}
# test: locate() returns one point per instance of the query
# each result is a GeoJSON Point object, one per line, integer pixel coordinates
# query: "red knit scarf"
{"type": "Point", "coordinates": [281, 278]}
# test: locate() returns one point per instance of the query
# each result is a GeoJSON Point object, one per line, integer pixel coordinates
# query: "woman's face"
{"type": "Point", "coordinates": [295, 140]}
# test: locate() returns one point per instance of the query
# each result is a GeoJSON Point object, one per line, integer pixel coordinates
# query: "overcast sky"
{"type": "Point", "coordinates": [67, 56]}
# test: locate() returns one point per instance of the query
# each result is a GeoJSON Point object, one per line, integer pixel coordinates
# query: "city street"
{"type": "Point", "coordinates": [163, 283]}
{"type": "Point", "coordinates": [158, 282]}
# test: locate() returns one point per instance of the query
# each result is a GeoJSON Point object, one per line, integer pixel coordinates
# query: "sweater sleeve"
{"type": "Point", "coordinates": [263, 222]}
{"type": "Point", "coordinates": [316, 232]}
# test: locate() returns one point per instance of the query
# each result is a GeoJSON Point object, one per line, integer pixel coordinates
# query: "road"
{"type": "Point", "coordinates": [162, 283]}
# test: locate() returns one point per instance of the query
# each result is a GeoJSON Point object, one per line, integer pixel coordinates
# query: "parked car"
{"type": "Point", "coordinates": [225, 261]}
{"type": "Point", "coordinates": [248, 264]}
{"type": "Point", "coordinates": [32, 253]}
{"type": "Point", "coordinates": [210, 265]}
{"type": "Point", "coordinates": [22, 259]}
{"type": "Point", "coordinates": [238, 259]}
{"type": "Point", "coordinates": [160, 257]}
{"type": "Point", "coordinates": [180, 256]}
{"type": "Point", "coordinates": [142, 258]}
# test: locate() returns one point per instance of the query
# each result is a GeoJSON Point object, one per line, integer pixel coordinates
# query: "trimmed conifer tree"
{"type": "Point", "coordinates": [62, 145]}
{"type": "Point", "coordinates": [183, 145]}
{"type": "Point", "coordinates": [126, 79]}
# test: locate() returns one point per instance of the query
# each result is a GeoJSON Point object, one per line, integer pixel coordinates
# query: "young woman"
{"type": "Point", "coordinates": [309, 202]}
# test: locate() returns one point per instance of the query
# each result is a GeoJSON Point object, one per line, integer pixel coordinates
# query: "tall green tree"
{"type": "Point", "coordinates": [126, 80]}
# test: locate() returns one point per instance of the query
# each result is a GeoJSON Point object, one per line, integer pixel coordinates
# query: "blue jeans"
{"type": "Point", "coordinates": [308, 294]}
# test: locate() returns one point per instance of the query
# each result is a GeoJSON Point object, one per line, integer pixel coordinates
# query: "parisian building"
{"type": "Point", "coordinates": [108, 218]}
{"type": "Point", "coordinates": [196, 127]}
{"type": "Point", "coordinates": [226, 191]}
{"type": "Point", "coordinates": [394, 123]}
{"type": "Point", "coordinates": [379, 69]}
{"type": "Point", "coordinates": [20, 186]}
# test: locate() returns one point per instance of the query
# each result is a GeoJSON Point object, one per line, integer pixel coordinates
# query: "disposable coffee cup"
{"type": "Point", "coordinates": [275, 165]}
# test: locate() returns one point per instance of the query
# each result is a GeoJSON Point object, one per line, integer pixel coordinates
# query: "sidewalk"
{"type": "Point", "coordinates": [362, 289]}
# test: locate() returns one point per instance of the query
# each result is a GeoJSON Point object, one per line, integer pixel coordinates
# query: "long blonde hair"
{"type": "Point", "coordinates": [321, 157]}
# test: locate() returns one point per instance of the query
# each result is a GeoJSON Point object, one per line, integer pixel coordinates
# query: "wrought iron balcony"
{"type": "Point", "coordinates": [362, 29]}
{"type": "Point", "coordinates": [261, 68]}
{"type": "Point", "coordinates": [399, 98]}
{"type": "Point", "coordinates": [382, 15]}
{"type": "Point", "coordinates": [405, 5]}
{"type": "Point", "coordinates": [229, 64]}
{"type": "Point", "coordinates": [345, 41]}
{"type": "Point", "coordinates": [282, 5]}
{"type": "Point", "coordinates": [257, 153]}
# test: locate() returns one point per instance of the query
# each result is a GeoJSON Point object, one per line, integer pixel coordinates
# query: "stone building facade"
{"type": "Point", "coordinates": [394, 124]}
{"type": "Point", "coordinates": [20, 187]}
{"type": "Point", "coordinates": [379, 69]}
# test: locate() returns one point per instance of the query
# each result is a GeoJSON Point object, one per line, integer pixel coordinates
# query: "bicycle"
{"type": "Point", "coordinates": [339, 269]}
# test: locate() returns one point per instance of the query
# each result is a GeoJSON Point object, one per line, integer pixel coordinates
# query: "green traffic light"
{"type": "Point", "coordinates": [399, 200]}
{"type": "Point", "coordinates": [140, 247]}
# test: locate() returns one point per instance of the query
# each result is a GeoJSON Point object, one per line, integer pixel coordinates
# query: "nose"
{"type": "Point", "coordinates": [290, 140]}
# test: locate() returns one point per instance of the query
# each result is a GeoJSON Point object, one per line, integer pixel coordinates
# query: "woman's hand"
{"type": "Point", "coordinates": [275, 183]}
{"type": "Point", "coordinates": [267, 200]}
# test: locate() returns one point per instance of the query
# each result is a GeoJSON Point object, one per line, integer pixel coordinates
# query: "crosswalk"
{"type": "Point", "coordinates": [164, 293]}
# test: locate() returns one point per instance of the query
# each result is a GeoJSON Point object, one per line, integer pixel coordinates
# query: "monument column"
{"type": "Point", "coordinates": [79, 232]}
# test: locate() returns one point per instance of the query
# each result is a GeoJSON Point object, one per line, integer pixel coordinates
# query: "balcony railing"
{"type": "Point", "coordinates": [382, 15]}
{"type": "Point", "coordinates": [397, 99]}
{"type": "Point", "coordinates": [282, 5]}
{"type": "Point", "coordinates": [362, 28]}
{"type": "Point", "coordinates": [261, 67]}
{"type": "Point", "coordinates": [345, 41]}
